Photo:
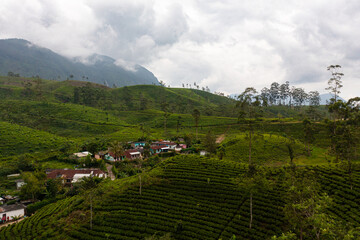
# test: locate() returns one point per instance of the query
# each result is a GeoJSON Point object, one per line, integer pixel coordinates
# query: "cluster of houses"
{"type": "Point", "coordinates": [10, 212]}
{"type": "Point", "coordinates": [138, 148]}
{"type": "Point", "coordinates": [70, 176]}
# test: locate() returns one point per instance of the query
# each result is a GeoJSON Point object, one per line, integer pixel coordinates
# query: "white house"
{"type": "Point", "coordinates": [9, 211]}
{"type": "Point", "coordinates": [19, 183]}
{"type": "Point", "coordinates": [82, 154]}
{"type": "Point", "coordinates": [203, 153]}
{"type": "Point", "coordinates": [70, 176]}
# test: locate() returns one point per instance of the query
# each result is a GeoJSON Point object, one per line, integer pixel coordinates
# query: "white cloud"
{"type": "Point", "coordinates": [226, 45]}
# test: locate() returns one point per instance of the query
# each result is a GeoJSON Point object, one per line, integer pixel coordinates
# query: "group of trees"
{"type": "Point", "coordinates": [305, 207]}
{"type": "Point", "coordinates": [89, 95]}
{"type": "Point", "coordinates": [286, 95]}
{"type": "Point", "coordinates": [196, 86]}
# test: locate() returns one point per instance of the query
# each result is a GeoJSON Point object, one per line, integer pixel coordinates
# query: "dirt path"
{"type": "Point", "coordinates": [9, 223]}
{"type": "Point", "coordinates": [109, 170]}
{"type": "Point", "coordinates": [221, 138]}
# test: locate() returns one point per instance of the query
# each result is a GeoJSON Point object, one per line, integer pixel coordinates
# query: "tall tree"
{"type": "Point", "coordinates": [314, 103]}
{"type": "Point", "coordinates": [35, 185]}
{"type": "Point", "coordinates": [210, 142]}
{"type": "Point", "coordinates": [249, 105]}
{"type": "Point", "coordinates": [335, 83]}
{"type": "Point", "coordinates": [165, 108]}
{"type": "Point", "coordinates": [309, 134]}
{"type": "Point", "coordinates": [196, 116]}
{"type": "Point", "coordinates": [251, 183]}
{"type": "Point", "coordinates": [274, 93]}
{"type": "Point", "coordinates": [265, 93]}
{"type": "Point", "coordinates": [117, 149]}
{"type": "Point", "coordinates": [299, 96]}
{"type": "Point", "coordinates": [305, 207]}
{"type": "Point", "coordinates": [179, 122]}
{"type": "Point", "coordinates": [314, 98]}
{"type": "Point", "coordinates": [284, 92]}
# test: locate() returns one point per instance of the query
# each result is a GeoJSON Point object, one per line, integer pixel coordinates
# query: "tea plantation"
{"type": "Point", "coordinates": [190, 197]}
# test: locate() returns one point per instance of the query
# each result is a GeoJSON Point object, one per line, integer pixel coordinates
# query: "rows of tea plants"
{"type": "Point", "coordinates": [42, 225]}
{"type": "Point", "coordinates": [195, 199]}
{"type": "Point", "coordinates": [343, 188]}
{"type": "Point", "coordinates": [15, 140]}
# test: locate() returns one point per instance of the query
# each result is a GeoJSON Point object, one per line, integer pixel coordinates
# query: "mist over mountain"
{"type": "Point", "coordinates": [22, 57]}
{"type": "Point", "coordinates": [325, 98]}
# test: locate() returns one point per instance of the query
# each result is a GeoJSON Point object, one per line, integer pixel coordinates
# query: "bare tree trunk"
{"type": "Point", "coordinates": [196, 132]}
{"type": "Point", "coordinates": [140, 184]}
{"type": "Point", "coordinates": [251, 213]}
{"type": "Point", "coordinates": [250, 145]}
{"type": "Point", "coordinates": [91, 212]}
{"type": "Point", "coordinates": [301, 233]}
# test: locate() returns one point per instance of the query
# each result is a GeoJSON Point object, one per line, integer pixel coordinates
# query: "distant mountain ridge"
{"type": "Point", "coordinates": [325, 98]}
{"type": "Point", "coordinates": [23, 57]}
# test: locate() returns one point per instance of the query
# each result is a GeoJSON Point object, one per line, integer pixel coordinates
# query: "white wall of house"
{"type": "Point", "coordinates": [79, 176]}
{"type": "Point", "coordinates": [14, 213]}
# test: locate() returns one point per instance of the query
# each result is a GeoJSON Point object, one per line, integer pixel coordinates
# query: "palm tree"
{"type": "Point", "coordinates": [117, 149]}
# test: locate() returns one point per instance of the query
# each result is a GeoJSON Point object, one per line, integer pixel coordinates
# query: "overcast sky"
{"type": "Point", "coordinates": [227, 45]}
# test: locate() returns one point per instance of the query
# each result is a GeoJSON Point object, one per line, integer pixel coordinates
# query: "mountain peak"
{"type": "Point", "coordinates": [18, 56]}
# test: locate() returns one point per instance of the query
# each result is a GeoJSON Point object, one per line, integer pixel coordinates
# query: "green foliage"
{"type": "Point", "coordinates": [198, 192]}
{"type": "Point", "coordinates": [34, 185]}
{"type": "Point", "coordinates": [269, 148]}
{"type": "Point", "coordinates": [209, 142]}
{"type": "Point", "coordinates": [16, 139]}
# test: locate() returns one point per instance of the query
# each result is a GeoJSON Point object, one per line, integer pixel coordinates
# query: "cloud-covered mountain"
{"type": "Point", "coordinates": [23, 57]}
{"type": "Point", "coordinates": [325, 98]}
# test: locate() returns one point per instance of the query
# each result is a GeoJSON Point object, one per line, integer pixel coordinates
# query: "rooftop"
{"type": "Point", "coordinates": [69, 173]}
{"type": "Point", "coordinates": [13, 207]}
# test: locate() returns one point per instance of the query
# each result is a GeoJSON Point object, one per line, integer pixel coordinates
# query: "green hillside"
{"type": "Point", "coordinates": [21, 147]}
{"type": "Point", "coordinates": [266, 148]}
{"type": "Point", "coordinates": [189, 197]}
{"type": "Point", "coordinates": [16, 140]}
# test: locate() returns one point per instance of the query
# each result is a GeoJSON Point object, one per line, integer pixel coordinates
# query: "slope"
{"type": "Point", "coordinates": [190, 197]}
{"type": "Point", "coordinates": [24, 58]}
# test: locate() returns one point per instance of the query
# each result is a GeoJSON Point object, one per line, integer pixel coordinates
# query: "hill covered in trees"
{"type": "Point", "coordinates": [20, 57]}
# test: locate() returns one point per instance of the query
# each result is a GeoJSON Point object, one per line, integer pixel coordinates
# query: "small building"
{"type": "Point", "coordinates": [70, 176]}
{"type": "Point", "coordinates": [19, 183]}
{"type": "Point", "coordinates": [100, 155]}
{"type": "Point", "coordinates": [8, 212]}
{"type": "Point", "coordinates": [138, 144]}
{"type": "Point", "coordinates": [170, 145]}
{"type": "Point", "coordinates": [132, 154]}
{"type": "Point", "coordinates": [82, 154]}
{"type": "Point", "coordinates": [155, 149]}
{"type": "Point", "coordinates": [13, 175]}
{"type": "Point", "coordinates": [110, 156]}
{"type": "Point", "coordinates": [203, 153]}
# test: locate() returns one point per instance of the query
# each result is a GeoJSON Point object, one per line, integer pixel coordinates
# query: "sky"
{"type": "Point", "coordinates": [227, 45]}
